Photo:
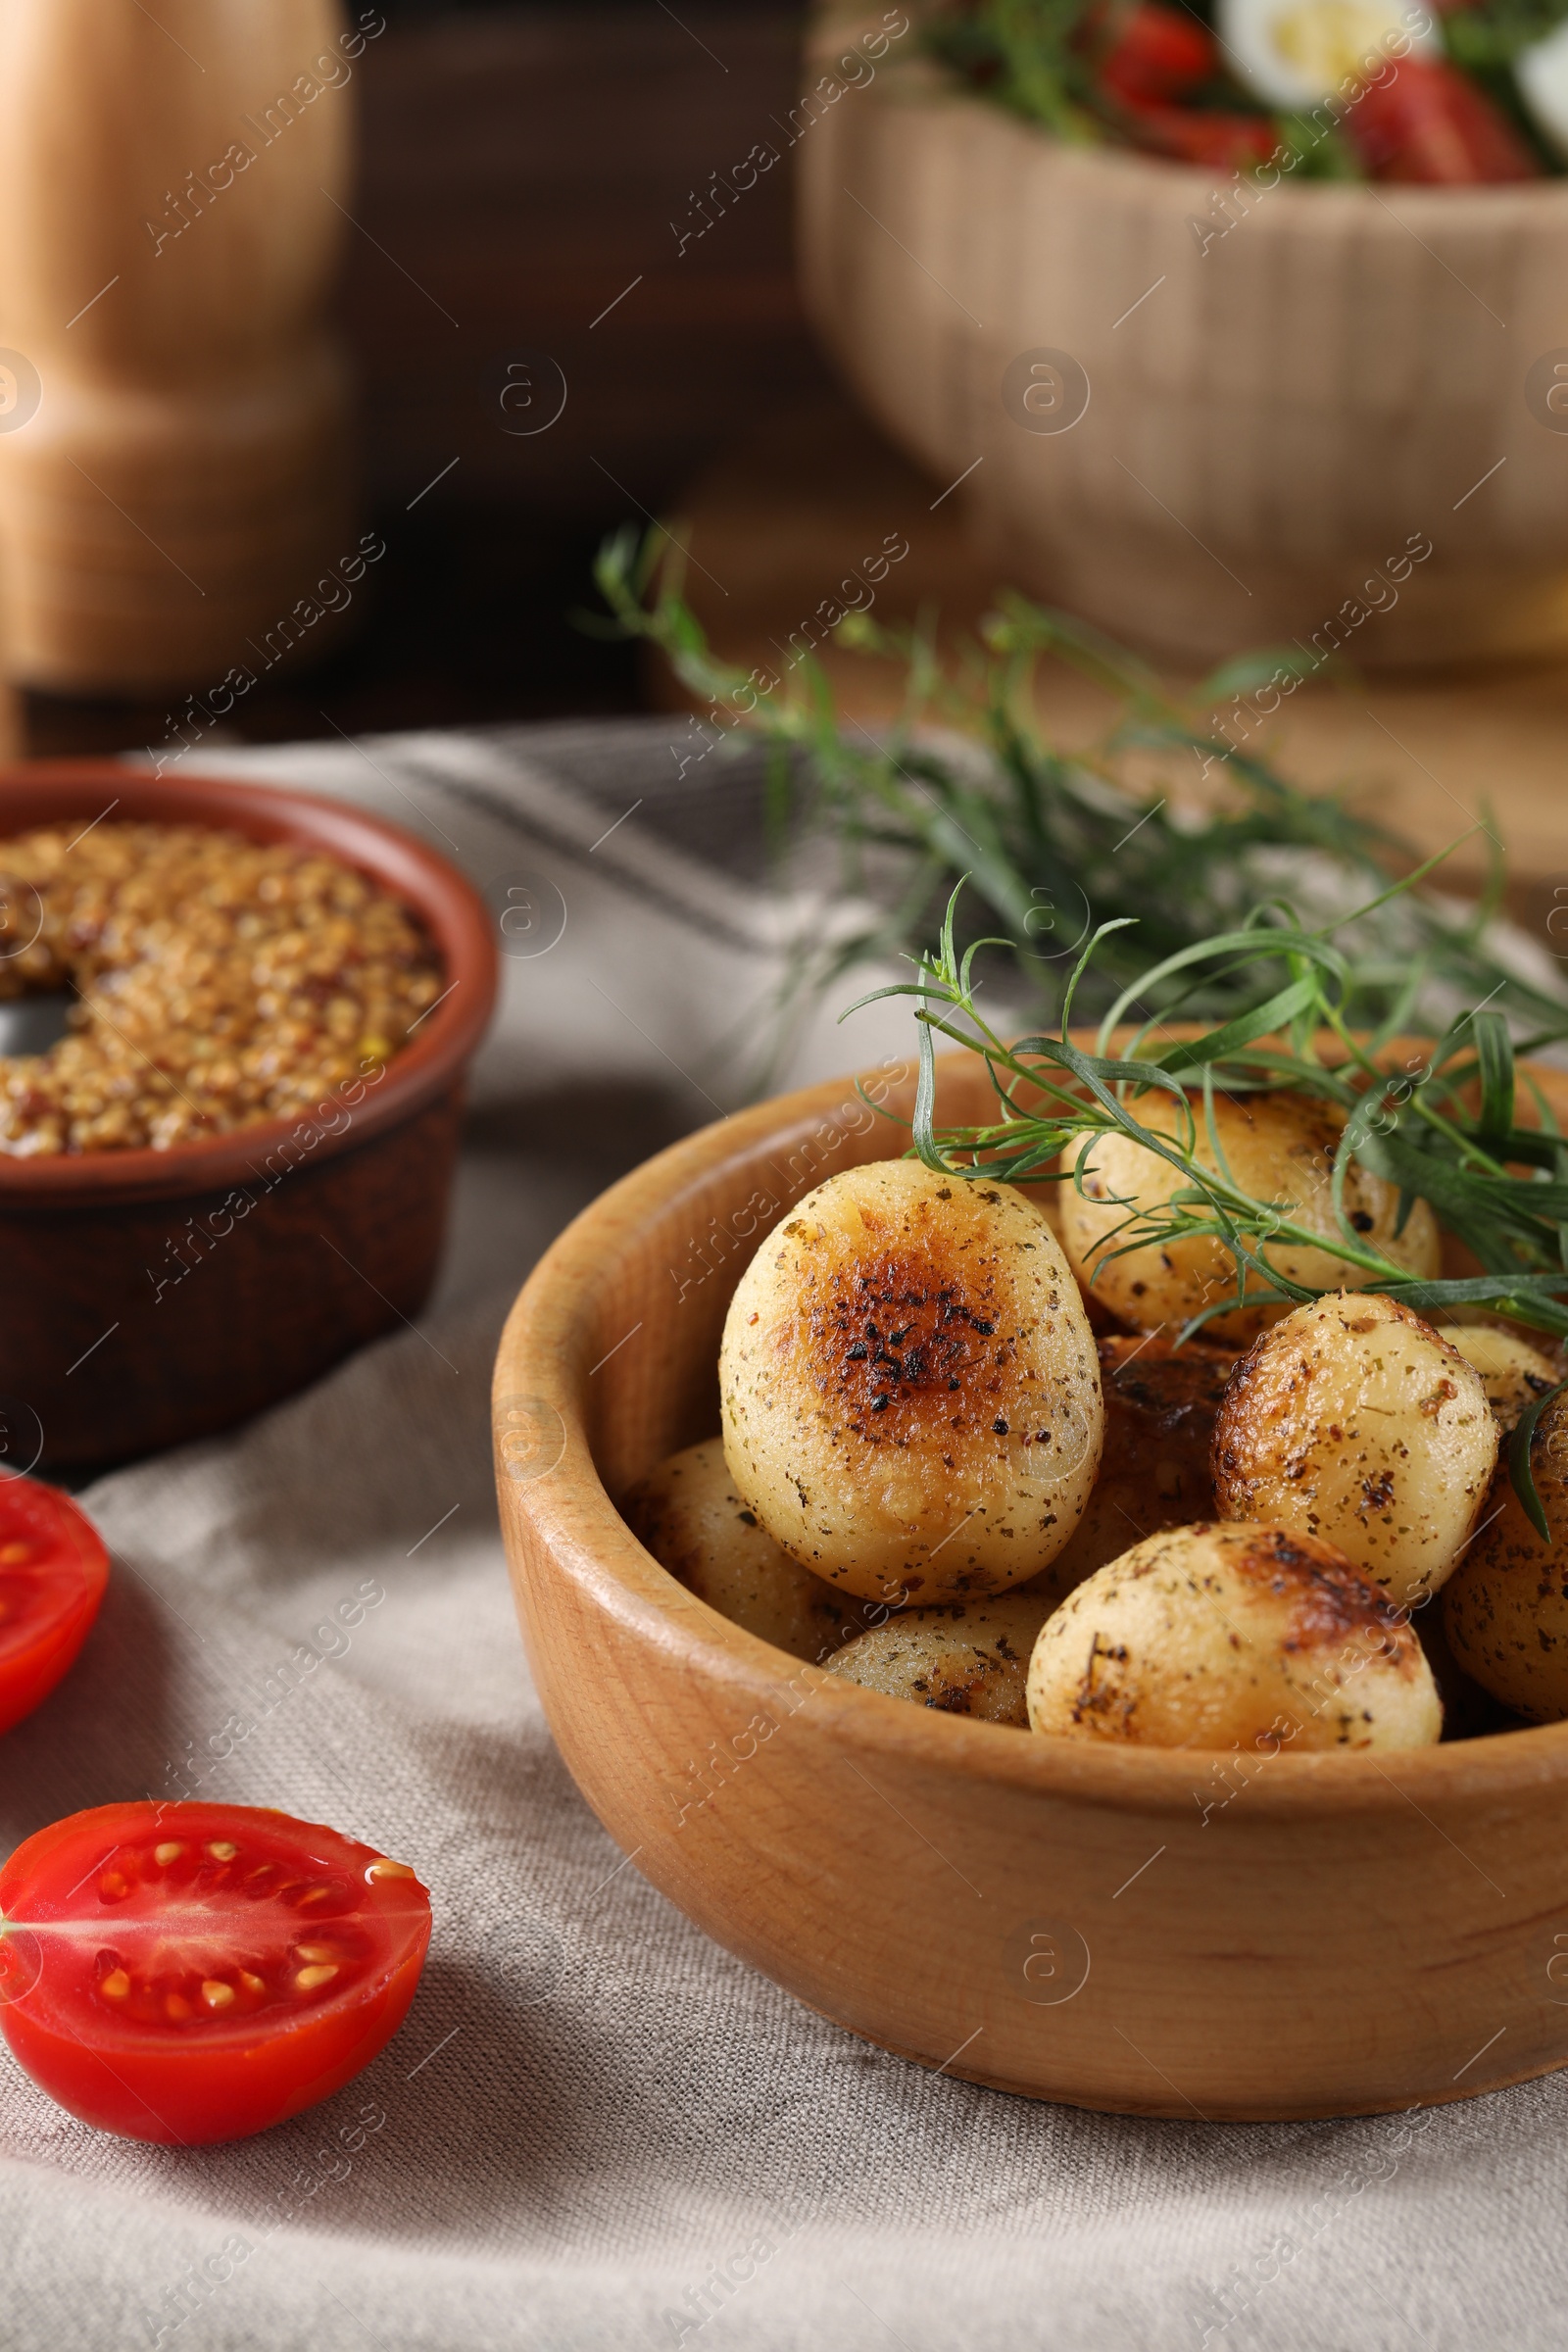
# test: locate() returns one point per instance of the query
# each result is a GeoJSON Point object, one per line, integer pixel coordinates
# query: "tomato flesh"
{"type": "Point", "coordinates": [1218, 140]}
{"type": "Point", "coordinates": [52, 1573]}
{"type": "Point", "coordinates": [1154, 55]}
{"type": "Point", "coordinates": [1431, 123]}
{"type": "Point", "coordinates": [192, 1972]}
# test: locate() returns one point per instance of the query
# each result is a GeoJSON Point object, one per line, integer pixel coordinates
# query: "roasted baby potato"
{"type": "Point", "coordinates": [1225, 1636]}
{"type": "Point", "coordinates": [965, 1657]}
{"type": "Point", "coordinates": [910, 1393]}
{"type": "Point", "coordinates": [1046, 1197]}
{"type": "Point", "coordinates": [1512, 1372]}
{"type": "Point", "coordinates": [1506, 1607]}
{"type": "Point", "coordinates": [1160, 1408]}
{"type": "Point", "coordinates": [1280, 1148]}
{"type": "Point", "coordinates": [1354, 1421]}
{"type": "Point", "coordinates": [690, 1517]}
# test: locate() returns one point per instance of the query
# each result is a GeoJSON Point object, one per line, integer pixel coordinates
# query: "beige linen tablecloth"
{"type": "Point", "coordinates": [595, 2130]}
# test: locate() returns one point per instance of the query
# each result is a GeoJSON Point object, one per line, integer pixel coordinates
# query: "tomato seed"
{"type": "Point", "coordinates": [218, 1995]}
{"type": "Point", "coordinates": [165, 1854]}
{"type": "Point", "coordinates": [381, 1867]}
{"type": "Point", "coordinates": [116, 1984]}
{"type": "Point", "coordinates": [317, 1895]}
{"type": "Point", "coordinates": [308, 1978]}
{"type": "Point", "coordinates": [113, 1888]}
{"type": "Point", "coordinates": [176, 2008]}
{"type": "Point", "coordinates": [221, 1850]}
{"type": "Point", "coordinates": [317, 1951]}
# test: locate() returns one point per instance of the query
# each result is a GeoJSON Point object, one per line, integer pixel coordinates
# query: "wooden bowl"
{"type": "Point", "coordinates": [1162, 1933]}
{"type": "Point", "coordinates": [152, 1297]}
{"type": "Point", "coordinates": [1286, 388]}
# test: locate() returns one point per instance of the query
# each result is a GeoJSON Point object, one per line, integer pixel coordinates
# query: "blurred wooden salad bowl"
{"type": "Point", "coordinates": [1198, 405]}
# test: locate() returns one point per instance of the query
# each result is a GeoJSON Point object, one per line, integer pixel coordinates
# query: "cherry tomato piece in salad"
{"type": "Point", "coordinates": [1430, 125]}
{"type": "Point", "coordinates": [1150, 54]}
{"type": "Point", "coordinates": [52, 1573]}
{"type": "Point", "coordinates": [1208, 136]}
{"type": "Point", "coordinates": [188, 1973]}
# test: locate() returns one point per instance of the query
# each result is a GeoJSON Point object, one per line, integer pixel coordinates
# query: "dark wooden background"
{"type": "Point", "coordinates": [522, 165]}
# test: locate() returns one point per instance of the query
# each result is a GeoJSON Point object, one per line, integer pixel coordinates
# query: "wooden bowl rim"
{"type": "Point", "coordinates": [543, 1356]}
{"type": "Point", "coordinates": [49, 791]}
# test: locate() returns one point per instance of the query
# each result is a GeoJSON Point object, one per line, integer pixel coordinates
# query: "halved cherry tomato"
{"type": "Point", "coordinates": [53, 1572]}
{"type": "Point", "coordinates": [1430, 123]}
{"type": "Point", "coordinates": [1152, 53]}
{"type": "Point", "coordinates": [190, 1972]}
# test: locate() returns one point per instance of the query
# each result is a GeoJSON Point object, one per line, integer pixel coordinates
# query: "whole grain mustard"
{"type": "Point", "coordinates": [221, 982]}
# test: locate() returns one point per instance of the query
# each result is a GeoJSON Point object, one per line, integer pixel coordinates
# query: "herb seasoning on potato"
{"type": "Point", "coordinates": [963, 1657]}
{"type": "Point", "coordinates": [1506, 1607]}
{"type": "Point", "coordinates": [1354, 1421]}
{"type": "Point", "coordinates": [1512, 1372]}
{"type": "Point", "coordinates": [910, 1393]}
{"type": "Point", "coordinates": [694, 1523]}
{"type": "Point", "coordinates": [1225, 1636]}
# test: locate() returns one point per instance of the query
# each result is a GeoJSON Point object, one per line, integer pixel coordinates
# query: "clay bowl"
{"type": "Point", "coordinates": [153, 1296]}
{"type": "Point", "coordinates": [1160, 1933]}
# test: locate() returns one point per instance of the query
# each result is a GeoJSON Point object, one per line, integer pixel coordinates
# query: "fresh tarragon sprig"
{"type": "Point", "coordinates": [1054, 841]}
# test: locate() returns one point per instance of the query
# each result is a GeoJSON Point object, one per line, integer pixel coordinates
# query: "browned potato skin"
{"type": "Point", "coordinates": [1506, 1607]}
{"type": "Point", "coordinates": [1162, 1403]}
{"type": "Point", "coordinates": [965, 1657]}
{"type": "Point", "coordinates": [908, 1385]}
{"type": "Point", "coordinates": [1392, 1466]}
{"type": "Point", "coordinates": [690, 1517]}
{"type": "Point", "coordinates": [1512, 1372]}
{"type": "Point", "coordinates": [1281, 1148]}
{"type": "Point", "coordinates": [1228, 1634]}
{"type": "Point", "coordinates": [1468, 1711]}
